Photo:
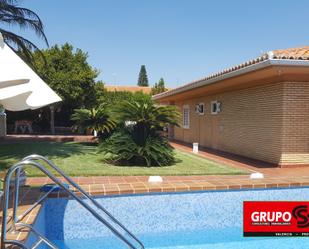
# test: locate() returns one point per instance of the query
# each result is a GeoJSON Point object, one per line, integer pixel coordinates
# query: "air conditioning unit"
{"type": "Point", "coordinates": [199, 109]}
{"type": "Point", "coordinates": [215, 107]}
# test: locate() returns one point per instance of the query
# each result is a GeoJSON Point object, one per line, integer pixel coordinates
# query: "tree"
{"type": "Point", "coordinates": [100, 93]}
{"type": "Point", "coordinates": [142, 77]}
{"type": "Point", "coordinates": [158, 87]}
{"type": "Point", "coordinates": [68, 73]}
{"type": "Point", "coordinates": [13, 15]}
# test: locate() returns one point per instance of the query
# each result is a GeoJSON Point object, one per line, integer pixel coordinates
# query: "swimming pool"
{"type": "Point", "coordinates": [194, 220]}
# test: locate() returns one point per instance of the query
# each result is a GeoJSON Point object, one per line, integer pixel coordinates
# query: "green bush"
{"type": "Point", "coordinates": [121, 149]}
{"type": "Point", "coordinates": [149, 118]}
{"type": "Point", "coordinates": [138, 140]}
{"type": "Point", "coordinates": [95, 119]}
{"type": "Point", "coordinates": [115, 97]}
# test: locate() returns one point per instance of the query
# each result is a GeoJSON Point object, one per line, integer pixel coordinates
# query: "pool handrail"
{"type": "Point", "coordinates": [31, 161]}
{"type": "Point", "coordinates": [15, 221]}
{"type": "Point", "coordinates": [76, 186]}
{"type": "Point", "coordinates": [38, 234]}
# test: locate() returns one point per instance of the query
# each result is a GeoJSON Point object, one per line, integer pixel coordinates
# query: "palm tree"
{"type": "Point", "coordinates": [95, 119]}
{"type": "Point", "coordinates": [146, 117]}
{"type": "Point", "coordinates": [13, 15]}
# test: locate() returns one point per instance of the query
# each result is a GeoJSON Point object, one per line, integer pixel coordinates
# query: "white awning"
{"type": "Point", "coordinates": [20, 87]}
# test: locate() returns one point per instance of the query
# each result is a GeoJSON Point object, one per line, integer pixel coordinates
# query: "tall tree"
{"type": "Point", "coordinates": [158, 87]}
{"type": "Point", "coordinates": [142, 77]}
{"type": "Point", "coordinates": [12, 15]}
{"type": "Point", "coordinates": [67, 72]}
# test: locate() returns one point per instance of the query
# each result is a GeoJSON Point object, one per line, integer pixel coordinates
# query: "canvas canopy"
{"type": "Point", "coordinates": [20, 87]}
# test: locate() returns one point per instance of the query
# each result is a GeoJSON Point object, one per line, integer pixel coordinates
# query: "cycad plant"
{"type": "Point", "coordinates": [139, 141]}
{"type": "Point", "coordinates": [95, 119]}
{"type": "Point", "coordinates": [121, 149]}
{"type": "Point", "coordinates": [146, 117]}
{"type": "Point", "coordinates": [13, 15]}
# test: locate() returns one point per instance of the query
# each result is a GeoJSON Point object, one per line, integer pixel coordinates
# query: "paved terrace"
{"type": "Point", "coordinates": [115, 185]}
{"type": "Point", "coordinates": [52, 138]}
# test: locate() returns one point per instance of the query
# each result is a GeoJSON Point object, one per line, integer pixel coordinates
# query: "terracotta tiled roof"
{"type": "Point", "coordinates": [144, 89]}
{"type": "Point", "coordinates": [300, 53]}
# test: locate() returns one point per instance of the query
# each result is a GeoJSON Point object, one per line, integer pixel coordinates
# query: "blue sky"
{"type": "Point", "coordinates": [179, 40]}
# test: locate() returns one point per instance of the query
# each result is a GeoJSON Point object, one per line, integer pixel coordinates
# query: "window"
{"type": "Point", "coordinates": [215, 107]}
{"type": "Point", "coordinates": [199, 108]}
{"type": "Point", "coordinates": [186, 117]}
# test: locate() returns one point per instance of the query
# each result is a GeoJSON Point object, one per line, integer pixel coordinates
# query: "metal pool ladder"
{"type": "Point", "coordinates": [10, 225]}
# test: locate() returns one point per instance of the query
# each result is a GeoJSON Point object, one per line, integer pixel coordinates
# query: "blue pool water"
{"type": "Point", "coordinates": [198, 220]}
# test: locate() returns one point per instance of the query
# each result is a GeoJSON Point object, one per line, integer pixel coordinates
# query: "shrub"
{"type": "Point", "coordinates": [115, 97]}
{"type": "Point", "coordinates": [138, 140]}
{"type": "Point", "coordinates": [97, 119]}
{"type": "Point", "coordinates": [148, 118]}
{"type": "Point", "coordinates": [121, 149]}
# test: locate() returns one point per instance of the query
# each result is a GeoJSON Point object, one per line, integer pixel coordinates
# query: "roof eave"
{"type": "Point", "coordinates": [244, 70]}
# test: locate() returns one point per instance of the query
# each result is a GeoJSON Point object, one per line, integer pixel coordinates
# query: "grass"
{"type": "Point", "coordinates": [78, 159]}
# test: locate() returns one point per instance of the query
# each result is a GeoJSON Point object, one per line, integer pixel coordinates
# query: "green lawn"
{"type": "Point", "coordinates": [78, 159]}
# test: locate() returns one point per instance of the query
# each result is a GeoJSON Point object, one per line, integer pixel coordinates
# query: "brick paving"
{"type": "Point", "coordinates": [50, 138]}
{"type": "Point", "coordinates": [28, 196]}
{"type": "Point", "coordinates": [251, 165]}
{"type": "Point", "coordinates": [111, 185]}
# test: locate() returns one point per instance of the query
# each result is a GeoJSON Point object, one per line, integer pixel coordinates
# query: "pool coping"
{"type": "Point", "coordinates": [197, 184]}
{"type": "Point", "coordinates": [177, 185]}
{"type": "Point", "coordinates": [28, 196]}
{"type": "Point", "coordinates": [109, 185]}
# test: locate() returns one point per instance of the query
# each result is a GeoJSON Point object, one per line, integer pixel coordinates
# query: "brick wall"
{"type": "Point", "coordinates": [295, 146]}
{"type": "Point", "coordinates": [269, 123]}
{"type": "Point", "coordinates": [250, 124]}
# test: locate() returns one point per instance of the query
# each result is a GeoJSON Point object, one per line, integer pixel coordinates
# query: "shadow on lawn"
{"type": "Point", "coordinates": [13, 152]}
{"type": "Point", "coordinates": [112, 163]}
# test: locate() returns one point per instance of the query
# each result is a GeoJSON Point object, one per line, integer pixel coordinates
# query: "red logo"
{"type": "Point", "coordinates": [276, 218]}
{"type": "Point", "coordinates": [300, 213]}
